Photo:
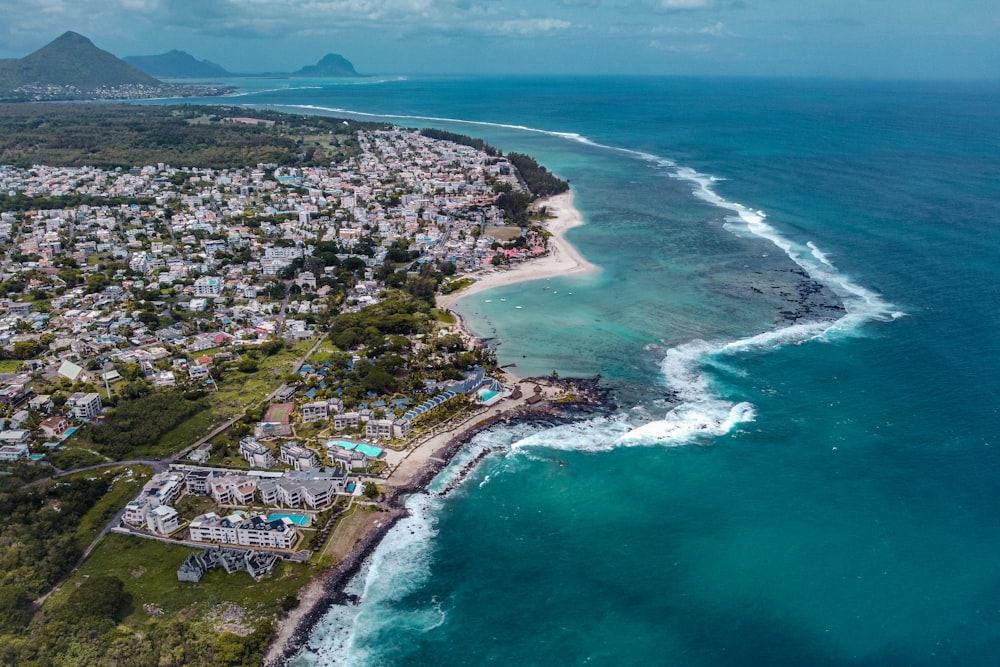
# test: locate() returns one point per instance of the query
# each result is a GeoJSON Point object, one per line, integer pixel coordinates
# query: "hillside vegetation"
{"type": "Point", "coordinates": [125, 136]}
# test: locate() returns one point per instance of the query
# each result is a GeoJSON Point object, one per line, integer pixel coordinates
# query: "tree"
{"type": "Point", "coordinates": [370, 491]}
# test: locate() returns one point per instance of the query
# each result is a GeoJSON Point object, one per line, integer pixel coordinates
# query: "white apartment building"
{"type": "Point", "coordinates": [208, 286]}
{"type": "Point", "coordinates": [84, 406]}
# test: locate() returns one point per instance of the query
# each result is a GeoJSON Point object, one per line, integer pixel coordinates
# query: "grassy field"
{"type": "Point", "coordinates": [456, 285]}
{"type": "Point", "coordinates": [128, 481]}
{"type": "Point", "coordinates": [505, 233]}
{"type": "Point", "coordinates": [10, 365]}
{"type": "Point", "coordinates": [236, 392]}
{"type": "Point", "coordinates": [149, 571]}
{"type": "Point", "coordinates": [442, 316]}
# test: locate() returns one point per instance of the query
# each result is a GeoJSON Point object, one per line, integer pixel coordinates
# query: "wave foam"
{"type": "Point", "coordinates": [701, 412]}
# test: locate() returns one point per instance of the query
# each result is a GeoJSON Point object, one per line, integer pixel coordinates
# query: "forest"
{"type": "Point", "coordinates": [110, 136]}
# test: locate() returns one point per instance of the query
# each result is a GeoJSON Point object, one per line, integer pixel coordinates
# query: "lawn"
{"type": "Point", "coordinates": [128, 481]}
{"type": "Point", "coordinates": [148, 569]}
{"type": "Point", "coordinates": [10, 365]}
{"type": "Point", "coordinates": [236, 392]}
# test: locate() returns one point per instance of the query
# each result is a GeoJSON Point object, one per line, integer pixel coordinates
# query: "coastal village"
{"type": "Point", "coordinates": [263, 339]}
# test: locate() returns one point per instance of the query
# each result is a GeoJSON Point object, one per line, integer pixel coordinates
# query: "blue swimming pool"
{"type": "Point", "coordinates": [297, 519]}
{"type": "Point", "coordinates": [486, 396]}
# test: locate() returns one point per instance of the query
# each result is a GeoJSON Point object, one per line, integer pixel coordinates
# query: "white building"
{"type": "Point", "coordinates": [13, 452]}
{"type": "Point", "coordinates": [258, 455]}
{"type": "Point", "coordinates": [162, 520]}
{"type": "Point", "coordinates": [297, 456]}
{"type": "Point", "coordinates": [84, 406]}
{"type": "Point", "coordinates": [208, 286]}
{"type": "Point", "coordinates": [253, 532]}
{"type": "Point", "coordinates": [315, 411]}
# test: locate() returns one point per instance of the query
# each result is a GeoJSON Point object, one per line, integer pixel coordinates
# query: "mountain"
{"type": "Point", "coordinates": [331, 65]}
{"type": "Point", "coordinates": [72, 60]}
{"type": "Point", "coordinates": [176, 65]}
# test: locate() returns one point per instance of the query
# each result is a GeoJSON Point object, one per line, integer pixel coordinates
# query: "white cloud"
{"type": "Point", "coordinates": [682, 5]}
{"type": "Point", "coordinates": [532, 26]}
{"type": "Point", "coordinates": [671, 47]}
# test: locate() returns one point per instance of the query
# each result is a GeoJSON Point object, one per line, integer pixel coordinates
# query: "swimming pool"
{"type": "Point", "coordinates": [367, 450]}
{"type": "Point", "coordinates": [487, 396]}
{"type": "Point", "coordinates": [297, 519]}
{"type": "Point", "coordinates": [70, 431]}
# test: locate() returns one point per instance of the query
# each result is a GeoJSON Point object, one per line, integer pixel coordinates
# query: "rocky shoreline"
{"type": "Point", "coordinates": [588, 398]}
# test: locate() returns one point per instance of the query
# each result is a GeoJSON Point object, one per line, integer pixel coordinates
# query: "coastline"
{"type": "Point", "coordinates": [563, 401]}
{"type": "Point", "coordinates": [562, 259]}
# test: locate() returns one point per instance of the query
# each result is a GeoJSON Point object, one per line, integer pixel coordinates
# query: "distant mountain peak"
{"type": "Point", "coordinates": [72, 60]}
{"type": "Point", "coordinates": [331, 65]}
{"type": "Point", "coordinates": [176, 64]}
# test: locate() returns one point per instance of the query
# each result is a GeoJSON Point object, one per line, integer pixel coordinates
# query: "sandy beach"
{"type": "Point", "coordinates": [563, 258]}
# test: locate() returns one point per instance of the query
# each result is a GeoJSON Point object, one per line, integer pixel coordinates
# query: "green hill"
{"type": "Point", "coordinates": [176, 65]}
{"type": "Point", "coordinates": [72, 60]}
{"type": "Point", "coordinates": [331, 65]}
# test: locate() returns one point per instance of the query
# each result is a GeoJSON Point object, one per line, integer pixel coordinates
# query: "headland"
{"type": "Point", "coordinates": [533, 400]}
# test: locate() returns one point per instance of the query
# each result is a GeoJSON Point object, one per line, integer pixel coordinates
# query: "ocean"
{"type": "Point", "coordinates": [797, 312]}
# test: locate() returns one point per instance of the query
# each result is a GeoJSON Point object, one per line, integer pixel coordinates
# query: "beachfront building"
{"type": "Point", "coordinates": [388, 429]}
{"type": "Point", "coordinates": [311, 489]}
{"type": "Point", "coordinates": [235, 529]}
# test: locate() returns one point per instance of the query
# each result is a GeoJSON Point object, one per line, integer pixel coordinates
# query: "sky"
{"type": "Point", "coordinates": [932, 39]}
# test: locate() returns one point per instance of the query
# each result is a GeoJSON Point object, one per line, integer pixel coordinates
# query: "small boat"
{"type": "Point", "coordinates": [519, 307]}
{"type": "Point", "coordinates": [503, 299]}
{"type": "Point", "coordinates": [489, 300]}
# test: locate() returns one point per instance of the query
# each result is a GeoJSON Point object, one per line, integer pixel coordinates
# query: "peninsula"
{"type": "Point", "coordinates": [220, 371]}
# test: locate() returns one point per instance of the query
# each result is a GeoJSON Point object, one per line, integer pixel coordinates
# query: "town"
{"type": "Point", "coordinates": [231, 305]}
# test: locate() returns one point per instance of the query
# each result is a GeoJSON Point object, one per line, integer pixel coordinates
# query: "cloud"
{"type": "Point", "coordinates": [671, 47]}
{"type": "Point", "coordinates": [532, 26]}
{"type": "Point", "coordinates": [682, 5]}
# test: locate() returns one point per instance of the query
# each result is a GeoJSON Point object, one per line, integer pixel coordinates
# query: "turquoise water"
{"type": "Point", "coordinates": [796, 310]}
{"type": "Point", "coordinates": [297, 519]}
{"type": "Point", "coordinates": [367, 450]}
{"type": "Point", "coordinates": [70, 431]}
{"type": "Point", "coordinates": [487, 395]}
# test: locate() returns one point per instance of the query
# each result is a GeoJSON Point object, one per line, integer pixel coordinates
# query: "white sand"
{"type": "Point", "coordinates": [563, 259]}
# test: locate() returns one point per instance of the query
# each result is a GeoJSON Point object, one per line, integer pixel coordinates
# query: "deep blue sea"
{"type": "Point", "coordinates": [797, 310]}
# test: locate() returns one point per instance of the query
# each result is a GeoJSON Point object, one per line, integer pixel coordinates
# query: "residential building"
{"type": "Point", "coordinates": [13, 452]}
{"type": "Point", "coordinates": [254, 532]}
{"type": "Point", "coordinates": [208, 286]}
{"type": "Point", "coordinates": [84, 406]}
{"type": "Point", "coordinates": [162, 520]}
{"type": "Point", "coordinates": [315, 411]}
{"type": "Point", "coordinates": [346, 420]}
{"type": "Point", "coordinates": [297, 456]}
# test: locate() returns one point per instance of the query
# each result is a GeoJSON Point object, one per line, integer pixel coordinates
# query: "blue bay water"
{"type": "Point", "coordinates": [818, 491]}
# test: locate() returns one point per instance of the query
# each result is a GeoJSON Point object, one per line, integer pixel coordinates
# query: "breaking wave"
{"type": "Point", "coordinates": [701, 413]}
